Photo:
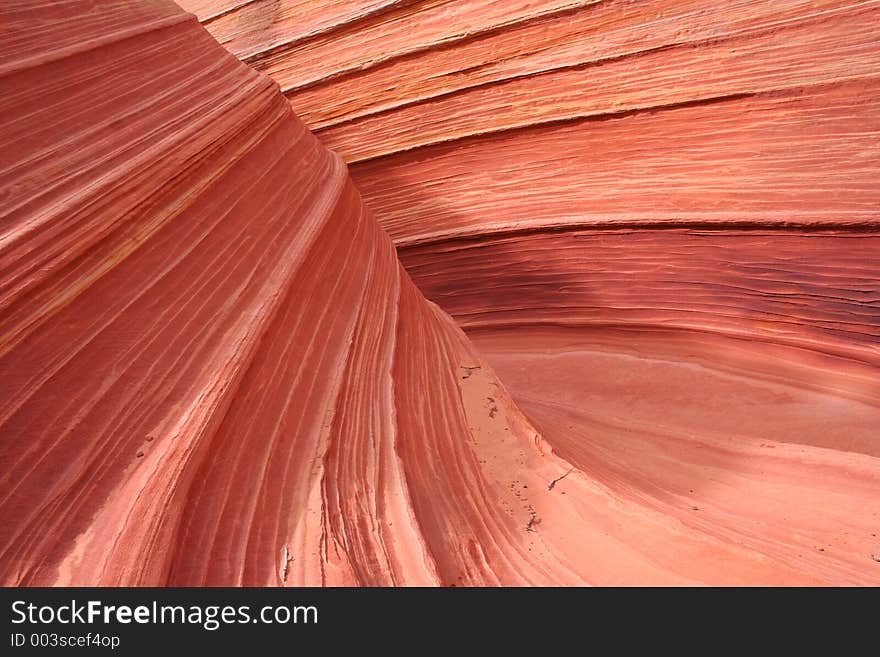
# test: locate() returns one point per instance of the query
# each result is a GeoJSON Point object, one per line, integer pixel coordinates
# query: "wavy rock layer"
{"type": "Point", "coordinates": [658, 220]}
{"type": "Point", "coordinates": [214, 370]}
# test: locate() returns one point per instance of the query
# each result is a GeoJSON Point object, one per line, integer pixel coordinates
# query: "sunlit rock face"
{"type": "Point", "coordinates": [653, 223]}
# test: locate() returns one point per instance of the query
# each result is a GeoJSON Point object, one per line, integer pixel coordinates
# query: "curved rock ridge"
{"type": "Point", "coordinates": [215, 370]}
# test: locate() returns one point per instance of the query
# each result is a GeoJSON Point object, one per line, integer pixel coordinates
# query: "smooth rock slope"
{"type": "Point", "coordinates": [657, 221]}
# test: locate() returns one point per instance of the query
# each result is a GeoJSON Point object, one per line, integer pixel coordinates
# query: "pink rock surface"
{"type": "Point", "coordinates": [656, 221]}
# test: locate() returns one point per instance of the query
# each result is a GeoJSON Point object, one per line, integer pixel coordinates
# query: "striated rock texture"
{"type": "Point", "coordinates": [657, 222]}
{"type": "Point", "coordinates": [213, 368]}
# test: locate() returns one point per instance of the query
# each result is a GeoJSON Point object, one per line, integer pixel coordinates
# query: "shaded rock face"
{"type": "Point", "coordinates": [656, 221]}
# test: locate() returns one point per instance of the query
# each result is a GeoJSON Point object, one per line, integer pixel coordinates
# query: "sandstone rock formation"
{"type": "Point", "coordinates": [657, 221]}
{"type": "Point", "coordinates": [214, 369]}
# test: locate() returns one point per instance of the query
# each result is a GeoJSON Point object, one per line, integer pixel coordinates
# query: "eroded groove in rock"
{"type": "Point", "coordinates": [814, 291]}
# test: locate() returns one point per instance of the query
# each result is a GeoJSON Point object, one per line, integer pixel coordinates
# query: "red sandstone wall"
{"type": "Point", "coordinates": [657, 218]}
{"type": "Point", "coordinates": [657, 221]}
